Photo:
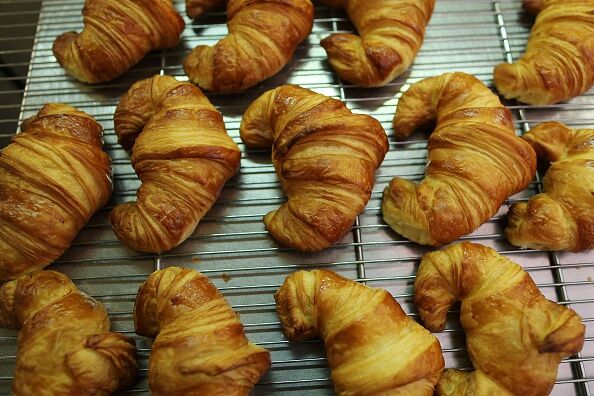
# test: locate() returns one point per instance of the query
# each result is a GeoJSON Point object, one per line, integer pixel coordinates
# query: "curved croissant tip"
{"type": "Point", "coordinates": [333, 41]}
{"type": "Point", "coordinates": [196, 66]}
{"type": "Point", "coordinates": [507, 80]}
{"type": "Point", "coordinates": [61, 43]}
{"type": "Point", "coordinates": [122, 219]}
{"type": "Point", "coordinates": [516, 212]}
{"type": "Point", "coordinates": [514, 231]}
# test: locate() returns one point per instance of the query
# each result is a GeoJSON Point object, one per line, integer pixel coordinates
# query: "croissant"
{"type": "Point", "coordinates": [373, 348]}
{"type": "Point", "coordinates": [117, 35]}
{"type": "Point", "coordinates": [263, 34]}
{"type": "Point", "coordinates": [559, 60]}
{"type": "Point", "coordinates": [53, 178]}
{"type": "Point", "coordinates": [562, 217]}
{"type": "Point", "coordinates": [476, 160]}
{"type": "Point", "coordinates": [195, 8]}
{"type": "Point", "coordinates": [64, 343]}
{"type": "Point", "coordinates": [515, 337]}
{"type": "Point", "coordinates": [391, 33]}
{"type": "Point", "coordinates": [200, 347]}
{"type": "Point", "coordinates": [325, 157]}
{"type": "Point", "coordinates": [181, 153]}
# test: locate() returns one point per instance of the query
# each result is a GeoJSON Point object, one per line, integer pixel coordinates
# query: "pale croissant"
{"type": "Point", "coordinates": [391, 33]}
{"type": "Point", "coordinates": [373, 348]}
{"type": "Point", "coordinates": [200, 346]}
{"type": "Point", "coordinates": [515, 337]}
{"type": "Point", "coordinates": [562, 216]}
{"type": "Point", "coordinates": [64, 343]}
{"type": "Point", "coordinates": [117, 35]}
{"type": "Point", "coordinates": [325, 157]}
{"type": "Point", "coordinates": [559, 60]}
{"type": "Point", "coordinates": [475, 160]}
{"type": "Point", "coordinates": [263, 34]}
{"type": "Point", "coordinates": [181, 153]}
{"type": "Point", "coordinates": [53, 178]}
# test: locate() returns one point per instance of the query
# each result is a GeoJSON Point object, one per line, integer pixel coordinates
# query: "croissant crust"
{"type": "Point", "coordinates": [475, 160]}
{"type": "Point", "coordinates": [325, 158]}
{"type": "Point", "coordinates": [200, 346]}
{"type": "Point", "coordinates": [391, 33]}
{"type": "Point", "coordinates": [562, 216]}
{"type": "Point", "coordinates": [515, 337]}
{"type": "Point", "coordinates": [117, 35]}
{"type": "Point", "coordinates": [263, 34]}
{"type": "Point", "coordinates": [64, 343]}
{"type": "Point", "coordinates": [559, 60]}
{"type": "Point", "coordinates": [53, 178]}
{"type": "Point", "coordinates": [372, 347]}
{"type": "Point", "coordinates": [182, 154]}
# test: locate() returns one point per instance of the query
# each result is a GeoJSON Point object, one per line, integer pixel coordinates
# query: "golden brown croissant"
{"type": "Point", "coordinates": [195, 8]}
{"type": "Point", "coordinates": [64, 345]}
{"type": "Point", "coordinates": [200, 348]}
{"type": "Point", "coordinates": [325, 157]}
{"type": "Point", "coordinates": [559, 60]}
{"type": "Point", "coordinates": [263, 34]}
{"type": "Point", "coordinates": [562, 217]}
{"type": "Point", "coordinates": [373, 348]}
{"type": "Point", "coordinates": [391, 33]}
{"type": "Point", "coordinates": [515, 337]}
{"type": "Point", "coordinates": [181, 153]}
{"type": "Point", "coordinates": [476, 160]}
{"type": "Point", "coordinates": [116, 36]}
{"type": "Point", "coordinates": [53, 178]}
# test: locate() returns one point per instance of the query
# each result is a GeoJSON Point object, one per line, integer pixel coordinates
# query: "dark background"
{"type": "Point", "coordinates": [18, 21]}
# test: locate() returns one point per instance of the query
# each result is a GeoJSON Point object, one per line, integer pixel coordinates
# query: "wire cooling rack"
{"type": "Point", "coordinates": [231, 245]}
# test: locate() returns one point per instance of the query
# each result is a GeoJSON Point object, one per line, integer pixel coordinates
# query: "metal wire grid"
{"type": "Point", "coordinates": [231, 245]}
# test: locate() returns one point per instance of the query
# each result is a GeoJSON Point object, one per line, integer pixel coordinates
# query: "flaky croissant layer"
{"type": "Point", "coordinates": [117, 35]}
{"type": "Point", "coordinates": [391, 33]}
{"type": "Point", "coordinates": [53, 177]}
{"type": "Point", "coordinates": [515, 337]}
{"type": "Point", "coordinates": [475, 160]}
{"type": "Point", "coordinates": [373, 347]}
{"type": "Point", "coordinates": [562, 216]}
{"type": "Point", "coordinates": [263, 34]}
{"type": "Point", "coordinates": [64, 343]}
{"type": "Point", "coordinates": [559, 60]}
{"type": "Point", "coordinates": [182, 154]}
{"type": "Point", "coordinates": [200, 346]}
{"type": "Point", "coordinates": [325, 158]}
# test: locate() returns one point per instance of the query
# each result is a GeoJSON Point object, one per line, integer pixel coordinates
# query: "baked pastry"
{"type": "Point", "coordinates": [325, 157]}
{"type": "Point", "coordinates": [475, 160]}
{"type": "Point", "coordinates": [195, 8]}
{"type": "Point", "coordinates": [515, 337]}
{"type": "Point", "coordinates": [182, 154]}
{"type": "Point", "coordinates": [64, 343]}
{"type": "Point", "coordinates": [117, 35]}
{"type": "Point", "coordinates": [391, 33]}
{"type": "Point", "coordinates": [53, 178]}
{"type": "Point", "coordinates": [559, 60]}
{"type": "Point", "coordinates": [372, 347]}
{"type": "Point", "coordinates": [263, 34]}
{"type": "Point", "coordinates": [562, 216]}
{"type": "Point", "coordinates": [200, 347]}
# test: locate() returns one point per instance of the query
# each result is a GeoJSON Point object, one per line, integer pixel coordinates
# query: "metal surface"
{"type": "Point", "coordinates": [231, 245]}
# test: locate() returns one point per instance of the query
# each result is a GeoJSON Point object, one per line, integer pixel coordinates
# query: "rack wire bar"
{"type": "Point", "coordinates": [231, 245]}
